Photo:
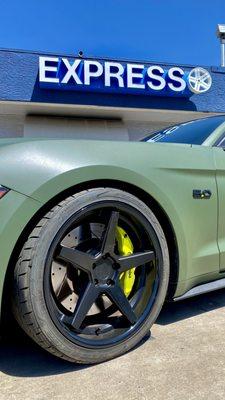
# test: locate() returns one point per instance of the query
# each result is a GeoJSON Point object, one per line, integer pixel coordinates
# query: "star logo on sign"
{"type": "Point", "coordinates": [199, 80]}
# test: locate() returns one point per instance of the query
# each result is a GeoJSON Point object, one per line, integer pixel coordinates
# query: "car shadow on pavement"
{"type": "Point", "coordinates": [19, 356]}
{"type": "Point", "coordinates": [176, 311]}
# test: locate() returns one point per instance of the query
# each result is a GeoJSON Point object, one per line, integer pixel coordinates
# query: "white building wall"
{"type": "Point", "coordinates": [77, 128]}
{"type": "Point", "coordinates": [18, 119]}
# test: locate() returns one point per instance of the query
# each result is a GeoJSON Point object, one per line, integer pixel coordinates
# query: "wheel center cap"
{"type": "Point", "coordinates": [103, 270]}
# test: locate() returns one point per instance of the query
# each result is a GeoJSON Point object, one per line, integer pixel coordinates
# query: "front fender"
{"type": "Point", "coordinates": [41, 169]}
{"type": "Point", "coordinates": [22, 208]}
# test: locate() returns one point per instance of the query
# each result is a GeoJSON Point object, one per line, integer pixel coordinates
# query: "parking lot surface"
{"type": "Point", "coordinates": [184, 359]}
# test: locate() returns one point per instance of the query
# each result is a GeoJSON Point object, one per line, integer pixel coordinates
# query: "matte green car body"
{"type": "Point", "coordinates": [37, 171]}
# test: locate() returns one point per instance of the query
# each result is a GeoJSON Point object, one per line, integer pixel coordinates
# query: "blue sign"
{"type": "Point", "coordinates": [78, 74]}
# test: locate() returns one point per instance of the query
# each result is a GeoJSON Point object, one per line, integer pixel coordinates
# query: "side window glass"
{"type": "Point", "coordinates": [221, 142]}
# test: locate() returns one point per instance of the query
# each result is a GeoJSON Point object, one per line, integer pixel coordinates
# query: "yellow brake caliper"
{"type": "Point", "coordinates": [125, 248]}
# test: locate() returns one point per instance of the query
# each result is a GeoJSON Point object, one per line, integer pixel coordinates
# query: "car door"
{"type": "Point", "coordinates": [219, 156]}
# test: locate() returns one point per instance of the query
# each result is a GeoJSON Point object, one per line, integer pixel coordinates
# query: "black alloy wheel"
{"type": "Point", "coordinates": [83, 297]}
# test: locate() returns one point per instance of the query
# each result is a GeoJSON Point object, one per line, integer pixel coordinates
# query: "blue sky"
{"type": "Point", "coordinates": [167, 30]}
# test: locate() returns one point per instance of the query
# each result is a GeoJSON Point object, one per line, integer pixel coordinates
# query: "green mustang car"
{"type": "Point", "coordinates": [96, 235]}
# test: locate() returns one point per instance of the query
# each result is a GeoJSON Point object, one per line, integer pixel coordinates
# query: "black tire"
{"type": "Point", "coordinates": [30, 305]}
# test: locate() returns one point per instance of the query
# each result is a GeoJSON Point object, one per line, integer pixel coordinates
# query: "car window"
{"type": "Point", "coordinates": [192, 132]}
{"type": "Point", "coordinates": [221, 141]}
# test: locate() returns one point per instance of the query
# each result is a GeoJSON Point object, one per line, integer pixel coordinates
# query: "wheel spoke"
{"type": "Point", "coordinates": [110, 234]}
{"type": "Point", "coordinates": [84, 232]}
{"type": "Point", "coordinates": [85, 301]}
{"type": "Point", "coordinates": [204, 85]}
{"type": "Point", "coordinates": [135, 260]}
{"type": "Point", "coordinates": [118, 297]}
{"type": "Point", "coordinates": [77, 258]}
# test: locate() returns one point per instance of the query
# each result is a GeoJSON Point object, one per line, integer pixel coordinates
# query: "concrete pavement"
{"type": "Point", "coordinates": [184, 359]}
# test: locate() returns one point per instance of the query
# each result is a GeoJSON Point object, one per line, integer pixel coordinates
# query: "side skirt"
{"type": "Point", "coordinates": [201, 289]}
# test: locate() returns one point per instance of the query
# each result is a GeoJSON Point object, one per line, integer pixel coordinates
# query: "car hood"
{"type": "Point", "coordinates": [41, 168]}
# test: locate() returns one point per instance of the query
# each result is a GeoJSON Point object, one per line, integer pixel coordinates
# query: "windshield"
{"type": "Point", "coordinates": [192, 132]}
